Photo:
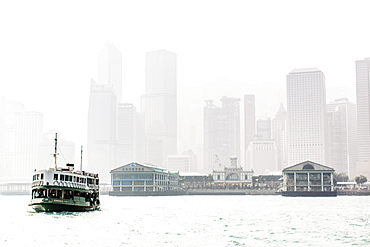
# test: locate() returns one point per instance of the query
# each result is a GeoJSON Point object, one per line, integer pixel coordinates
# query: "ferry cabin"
{"type": "Point", "coordinates": [63, 184]}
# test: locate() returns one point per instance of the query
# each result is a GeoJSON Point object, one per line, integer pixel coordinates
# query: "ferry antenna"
{"type": "Point", "coordinates": [81, 160]}
{"type": "Point", "coordinates": [55, 151]}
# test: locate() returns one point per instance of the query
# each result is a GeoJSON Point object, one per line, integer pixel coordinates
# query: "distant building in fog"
{"type": "Point", "coordinates": [7, 132]}
{"type": "Point", "coordinates": [249, 120]}
{"type": "Point", "coordinates": [193, 160]}
{"type": "Point", "coordinates": [264, 129]}
{"type": "Point", "coordinates": [306, 98]}
{"type": "Point", "coordinates": [130, 134]}
{"type": "Point", "coordinates": [179, 163]}
{"type": "Point", "coordinates": [262, 156]}
{"type": "Point", "coordinates": [363, 115]}
{"type": "Point", "coordinates": [186, 163]}
{"type": "Point", "coordinates": [110, 69]}
{"type": "Point", "coordinates": [342, 136]}
{"type": "Point", "coordinates": [221, 133]}
{"type": "Point", "coordinates": [101, 130]}
{"type": "Point", "coordinates": [102, 114]}
{"type": "Point", "coordinates": [159, 106]}
{"type": "Point", "coordinates": [279, 136]}
{"type": "Point", "coordinates": [27, 134]}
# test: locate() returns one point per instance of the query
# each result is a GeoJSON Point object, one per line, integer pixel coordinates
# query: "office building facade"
{"type": "Point", "coordinates": [28, 135]}
{"type": "Point", "coordinates": [130, 134]}
{"type": "Point", "coordinates": [249, 121]}
{"type": "Point", "coordinates": [102, 130]}
{"type": "Point", "coordinates": [279, 136]}
{"type": "Point", "coordinates": [110, 69]}
{"type": "Point", "coordinates": [306, 107]}
{"type": "Point", "coordinates": [221, 133]}
{"type": "Point", "coordinates": [342, 136]}
{"type": "Point", "coordinates": [262, 156]}
{"type": "Point", "coordinates": [363, 115]}
{"type": "Point", "coordinates": [159, 106]}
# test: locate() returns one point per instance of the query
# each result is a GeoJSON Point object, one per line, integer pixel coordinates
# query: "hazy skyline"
{"type": "Point", "coordinates": [49, 52]}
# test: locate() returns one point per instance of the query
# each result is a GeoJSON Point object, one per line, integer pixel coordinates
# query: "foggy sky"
{"type": "Point", "coordinates": [49, 52]}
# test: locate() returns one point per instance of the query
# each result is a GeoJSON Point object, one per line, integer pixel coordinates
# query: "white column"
{"type": "Point", "coordinates": [332, 182]}
{"type": "Point", "coordinates": [322, 181]}
{"type": "Point", "coordinates": [295, 182]}
{"type": "Point", "coordinates": [308, 182]}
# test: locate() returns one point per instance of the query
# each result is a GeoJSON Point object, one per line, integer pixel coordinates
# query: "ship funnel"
{"type": "Point", "coordinates": [71, 166]}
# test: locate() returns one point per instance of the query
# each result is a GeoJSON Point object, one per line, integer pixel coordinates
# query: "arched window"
{"type": "Point", "coordinates": [232, 176]}
{"type": "Point", "coordinates": [308, 167]}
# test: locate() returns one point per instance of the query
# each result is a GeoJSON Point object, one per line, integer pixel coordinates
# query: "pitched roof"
{"type": "Point", "coordinates": [139, 165]}
{"type": "Point", "coordinates": [300, 166]}
{"type": "Point", "coordinates": [305, 70]}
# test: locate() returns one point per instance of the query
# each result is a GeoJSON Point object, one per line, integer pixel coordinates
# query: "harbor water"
{"type": "Point", "coordinates": [193, 221]}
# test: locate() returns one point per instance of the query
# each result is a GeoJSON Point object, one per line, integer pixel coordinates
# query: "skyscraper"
{"type": "Point", "coordinates": [102, 114]}
{"type": "Point", "coordinates": [28, 134]}
{"type": "Point", "coordinates": [102, 130]}
{"type": "Point", "coordinates": [249, 121]}
{"type": "Point", "coordinates": [262, 156]}
{"type": "Point", "coordinates": [159, 106]}
{"type": "Point", "coordinates": [110, 69]}
{"type": "Point", "coordinates": [264, 129]}
{"type": "Point", "coordinates": [221, 133]}
{"type": "Point", "coordinates": [342, 136]}
{"type": "Point", "coordinates": [279, 135]}
{"type": "Point", "coordinates": [306, 107]}
{"type": "Point", "coordinates": [363, 115]}
{"type": "Point", "coordinates": [130, 134]}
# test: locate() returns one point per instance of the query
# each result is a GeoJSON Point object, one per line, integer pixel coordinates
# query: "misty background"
{"type": "Point", "coordinates": [49, 53]}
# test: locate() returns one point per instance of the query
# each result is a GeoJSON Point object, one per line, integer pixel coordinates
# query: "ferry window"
{"type": "Point", "coordinates": [74, 179]}
{"type": "Point", "coordinates": [42, 176]}
{"type": "Point", "coordinates": [70, 178]}
{"type": "Point", "coordinates": [97, 181]}
{"type": "Point", "coordinates": [53, 192]}
{"type": "Point", "coordinates": [37, 176]}
{"type": "Point", "coordinates": [61, 177]}
{"type": "Point", "coordinates": [55, 176]}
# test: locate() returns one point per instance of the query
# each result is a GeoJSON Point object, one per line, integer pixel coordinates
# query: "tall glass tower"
{"type": "Point", "coordinates": [159, 106]}
{"type": "Point", "coordinates": [101, 130]}
{"type": "Point", "coordinates": [363, 115]}
{"type": "Point", "coordinates": [110, 69]}
{"type": "Point", "coordinates": [306, 107]}
{"type": "Point", "coordinates": [221, 130]}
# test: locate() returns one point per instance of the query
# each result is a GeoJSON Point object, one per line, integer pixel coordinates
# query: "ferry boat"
{"type": "Point", "coordinates": [64, 189]}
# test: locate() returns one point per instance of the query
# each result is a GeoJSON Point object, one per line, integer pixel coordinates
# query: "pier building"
{"type": "Point", "coordinates": [308, 179]}
{"type": "Point", "coordinates": [232, 177]}
{"type": "Point", "coordinates": [143, 179]}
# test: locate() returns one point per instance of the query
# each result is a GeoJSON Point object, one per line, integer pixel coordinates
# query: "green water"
{"type": "Point", "coordinates": [192, 221]}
